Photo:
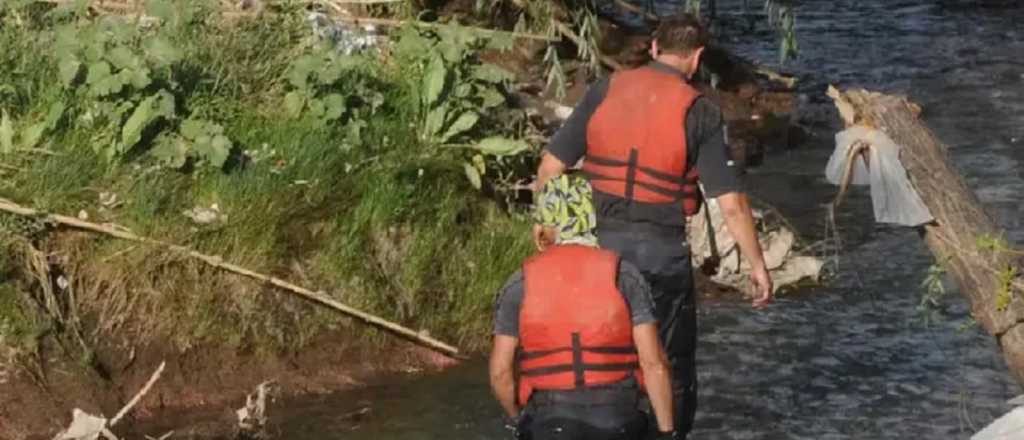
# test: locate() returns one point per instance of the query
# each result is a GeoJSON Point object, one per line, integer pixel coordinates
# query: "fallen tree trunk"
{"type": "Point", "coordinates": [964, 238]}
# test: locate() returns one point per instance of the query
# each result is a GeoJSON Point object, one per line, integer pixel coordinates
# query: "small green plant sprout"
{"type": "Point", "coordinates": [1004, 295]}
{"type": "Point", "coordinates": [933, 290]}
{"type": "Point", "coordinates": [1006, 276]}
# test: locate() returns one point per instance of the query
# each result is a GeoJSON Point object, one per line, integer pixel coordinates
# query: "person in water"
{"type": "Point", "coordinates": [575, 336]}
{"type": "Point", "coordinates": [647, 138]}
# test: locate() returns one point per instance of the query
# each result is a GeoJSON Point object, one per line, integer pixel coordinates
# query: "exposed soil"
{"type": "Point", "coordinates": [211, 382]}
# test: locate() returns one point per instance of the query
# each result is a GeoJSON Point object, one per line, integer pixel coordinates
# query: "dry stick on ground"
{"type": "Point", "coordinates": [215, 261]}
{"type": "Point", "coordinates": [960, 218]}
{"type": "Point", "coordinates": [138, 396]}
{"type": "Point", "coordinates": [566, 31]}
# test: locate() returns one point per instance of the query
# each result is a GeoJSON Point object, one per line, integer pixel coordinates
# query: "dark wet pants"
{"type": "Point", "coordinates": [582, 421]}
{"type": "Point", "coordinates": [665, 263]}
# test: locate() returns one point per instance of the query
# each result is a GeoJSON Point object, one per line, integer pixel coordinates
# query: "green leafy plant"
{"type": "Point", "coordinates": [457, 92]}
{"type": "Point", "coordinates": [933, 291]}
{"type": "Point", "coordinates": [125, 81]}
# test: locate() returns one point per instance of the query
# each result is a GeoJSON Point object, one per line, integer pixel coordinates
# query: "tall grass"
{"type": "Point", "coordinates": [390, 224]}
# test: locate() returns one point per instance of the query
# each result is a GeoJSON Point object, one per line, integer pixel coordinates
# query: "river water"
{"type": "Point", "coordinates": [849, 360]}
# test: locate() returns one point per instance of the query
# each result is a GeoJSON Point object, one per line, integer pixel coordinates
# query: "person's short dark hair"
{"type": "Point", "coordinates": [681, 34]}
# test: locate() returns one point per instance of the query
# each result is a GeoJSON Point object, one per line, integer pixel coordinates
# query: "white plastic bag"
{"type": "Point", "coordinates": [894, 198]}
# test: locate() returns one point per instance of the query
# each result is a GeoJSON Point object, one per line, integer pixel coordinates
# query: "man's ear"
{"type": "Point", "coordinates": [696, 57]}
{"type": "Point", "coordinates": [654, 48]}
{"type": "Point", "coordinates": [543, 237]}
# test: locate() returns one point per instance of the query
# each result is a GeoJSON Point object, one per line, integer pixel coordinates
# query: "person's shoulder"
{"type": "Point", "coordinates": [512, 288]}
{"type": "Point", "coordinates": [705, 107]}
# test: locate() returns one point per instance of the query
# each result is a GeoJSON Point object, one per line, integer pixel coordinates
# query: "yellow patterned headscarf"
{"type": "Point", "coordinates": [566, 204]}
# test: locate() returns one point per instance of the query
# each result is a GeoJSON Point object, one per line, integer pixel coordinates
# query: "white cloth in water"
{"type": "Point", "coordinates": [894, 198]}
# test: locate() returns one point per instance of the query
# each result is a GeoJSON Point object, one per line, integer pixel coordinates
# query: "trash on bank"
{"type": "Point", "coordinates": [346, 38]}
{"type": "Point", "coordinates": [709, 239]}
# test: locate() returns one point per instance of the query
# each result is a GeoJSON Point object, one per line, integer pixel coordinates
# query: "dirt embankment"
{"type": "Point", "coordinates": [215, 381]}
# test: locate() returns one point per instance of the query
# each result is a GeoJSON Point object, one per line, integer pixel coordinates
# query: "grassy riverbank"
{"type": "Point", "coordinates": [355, 174]}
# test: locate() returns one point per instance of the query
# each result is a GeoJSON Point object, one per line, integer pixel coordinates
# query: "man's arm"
{"type": "Point", "coordinates": [653, 361]}
{"type": "Point", "coordinates": [503, 382]}
{"type": "Point", "coordinates": [569, 144]}
{"type": "Point", "coordinates": [654, 366]}
{"type": "Point", "coordinates": [740, 221]}
{"type": "Point", "coordinates": [721, 177]}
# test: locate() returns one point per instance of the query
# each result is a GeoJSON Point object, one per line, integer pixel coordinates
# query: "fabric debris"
{"type": "Point", "coordinates": [892, 195]}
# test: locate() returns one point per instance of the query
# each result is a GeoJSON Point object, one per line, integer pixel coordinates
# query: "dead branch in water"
{"type": "Point", "coordinates": [318, 297]}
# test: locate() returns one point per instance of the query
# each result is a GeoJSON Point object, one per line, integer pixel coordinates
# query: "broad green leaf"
{"type": "Point", "coordinates": [464, 123]}
{"type": "Point", "coordinates": [455, 41]}
{"type": "Point", "coordinates": [411, 43]}
{"type": "Point", "coordinates": [331, 71]}
{"type": "Point", "coordinates": [435, 121]}
{"type": "Point", "coordinates": [463, 90]}
{"type": "Point", "coordinates": [301, 68]}
{"type": "Point", "coordinates": [294, 101]}
{"type": "Point", "coordinates": [491, 98]}
{"type": "Point", "coordinates": [492, 73]}
{"type": "Point", "coordinates": [335, 106]}
{"type": "Point", "coordinates": [98, 72]}
{"type": "Point", "coordinates": [317, 108]}
{"type": "Point", "coordinates": [213, 150]}
{"type": "Point", "coordinates": [480, 164]}
{"type": "Point", "coordinates": [6, 134]}
{"type": "Point", "coordinates": [67, 42]}
{"type": "Point", "coordinates": [31, 136]}
{"type": "Point", "coordinates": [171, 152]}
{"type": "Point", "coordinates": [54, 114]}
{"type": "Point", "coordinates": [503, 41]}
{"type": "Point", "coordinates": [161, 52]}
{"type": "Point", "coordinates": [191, 129]}
{"type": "Point", "coordinates": [94, 49]}
{"type": "Point", "coordinates": [102, 82]}
{"type": "Point", "coordinates": [472, 174]}
{"type": "Point", "coordinates": [122, 58]}
{"type": "Point", "coordinates": [165, 105]}
{"type": "Point", "coordinates": [145, 113]}
{"type": "Point", "coordinates": [434, 80]}
{"type": "Point", "coordinates": [139, 78]}
{"type": "Point", "coordinates": [69, 68]}
{"type": "Point", "coordinates": [502, 146]}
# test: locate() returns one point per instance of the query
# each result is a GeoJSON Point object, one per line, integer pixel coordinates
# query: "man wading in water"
{"type": "Point", "coordinates": [583, 325]}
{"type": "Point", "coordinates": [645, 135]}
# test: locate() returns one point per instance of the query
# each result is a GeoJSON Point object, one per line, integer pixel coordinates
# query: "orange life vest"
{"type": "Point", "coordinates": [636, 141]}
{"type": "Point", "coordinates": [575, 329]}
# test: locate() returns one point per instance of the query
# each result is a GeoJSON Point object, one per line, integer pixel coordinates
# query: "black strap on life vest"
{"type": "Point", "coordinates": [687, 186]}
{"type": "Point", "coordinates": [578, 366]}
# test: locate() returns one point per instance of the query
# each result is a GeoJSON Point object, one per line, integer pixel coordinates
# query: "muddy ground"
{"type": "Point", "coordinates": [215, 381]}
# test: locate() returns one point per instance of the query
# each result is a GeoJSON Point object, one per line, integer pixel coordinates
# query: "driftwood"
{"type": "Point", "coordinates": [317, 297]}
{"type": "Point", "coordinates": [960, 219]}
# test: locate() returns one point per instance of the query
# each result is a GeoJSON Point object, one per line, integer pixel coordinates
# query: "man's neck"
{"type": "Point", "coordinates": [676, 63]}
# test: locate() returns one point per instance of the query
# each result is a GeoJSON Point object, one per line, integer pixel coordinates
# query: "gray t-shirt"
{"type": "Point", "coordinates": [632, 285]}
